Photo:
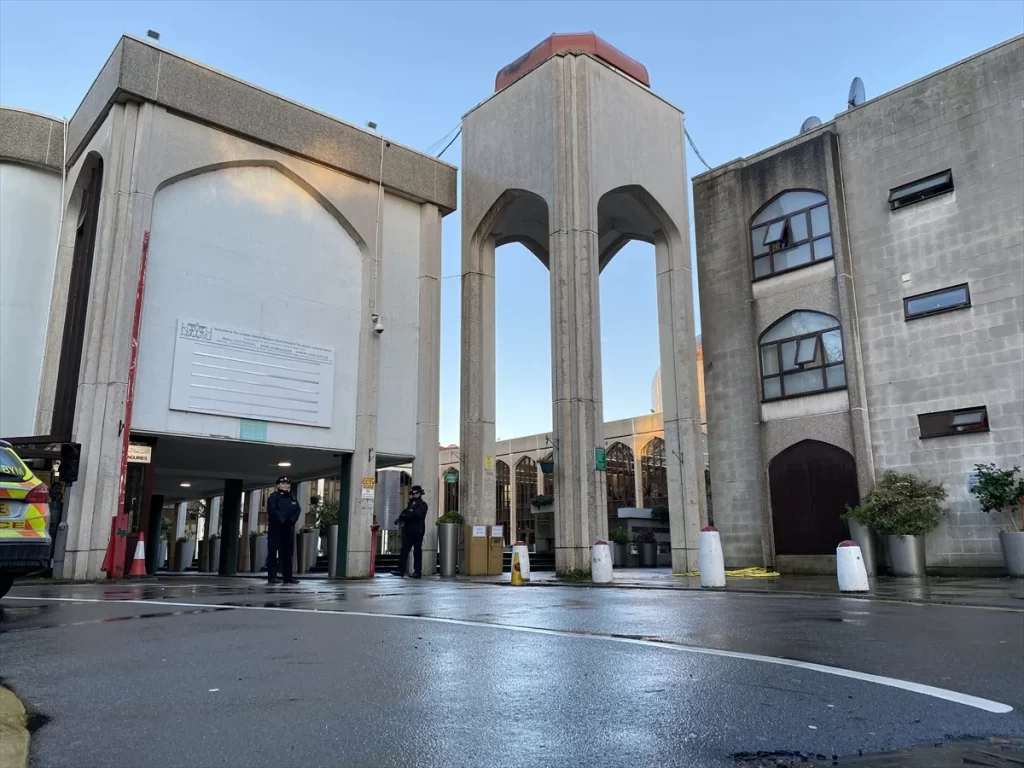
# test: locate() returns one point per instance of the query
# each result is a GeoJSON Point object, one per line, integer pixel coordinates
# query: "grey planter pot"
{"type": "Point", "coordinates": [302, 566]}
{"type": "Point", "coordinates": [907, 553]}
{"type": "Point", "coordinates": [183, 555]}
{"type": "Point", "coordinates": [865, 539]}
{"type": "Point", "coordinates": [648, 555]}
{"type": "Point", "coordinates": [448, 542]}
{"type": "Point", "coordinates": [215, 555]}
{"type": "Point", "coordinates": [332, 551]}
{"type": "Point", "coordinates": [313, 542]}
{"type": "Point", "coordinates": [161, 560]}
{"type": "Point", "coordinates": [204, 556]}
{"type": "Point", "coordinates": [619, 555]}
{"type": "Point", "coordinates": [1013, 552]}
{"type": "Point", "coordinates": [251, 563]}
{"type": "Point", "coordinates": [261, 554]}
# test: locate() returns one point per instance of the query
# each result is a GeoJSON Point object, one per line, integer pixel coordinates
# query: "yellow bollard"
{"type": "Point", "coordinates": [517, 575]}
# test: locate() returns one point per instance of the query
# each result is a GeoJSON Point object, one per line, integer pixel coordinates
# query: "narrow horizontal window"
{"type": "Point", "coordinates": [944, 423]}
{"type": "Point", "coordinates": [935, 302]}
{"type": "Point", "coordinates": [916, 191]}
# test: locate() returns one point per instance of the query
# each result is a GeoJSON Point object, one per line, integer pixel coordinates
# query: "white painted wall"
{"type": "Point", "coordinates": [29, 216]}
{"type": "Point", "coordinates": [399, 380]}
{"type": "Point", "coordinates": [249, 248]}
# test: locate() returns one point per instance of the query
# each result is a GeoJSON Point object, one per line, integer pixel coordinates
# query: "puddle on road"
{"type": "Point", "coordinates": [983, 753]}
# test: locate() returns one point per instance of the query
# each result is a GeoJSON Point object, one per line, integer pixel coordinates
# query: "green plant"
{"type": "Point", "coordinates": [1000, 490]}
{"type": "Point", "coordinates": [574, 575]}
{"type": "Point", "coordinates": [863, 514]}
{"type": "Point", "coordinates": [660, 514]}
{"type": "Point", "coordinates": [542, 500]}
{"type": "Point", "coordinates": [645, 536]}
{"type": "Point", "coordinates": [254, 534]}
{"type": "Point", "coordinates": [326, 514]}
{"type": "Point", "coordinates": [450, 517]}
{"type": "Point", "coordinates": [903, 504]}
{"type": "Point", "coordinates": [165, 529]}
{"type": "Point", "coordinates": [182, 538]}
{"type": "Point", "coordinates": [306, 529]}
{"type": "Point", "coordinates": [618, 536]}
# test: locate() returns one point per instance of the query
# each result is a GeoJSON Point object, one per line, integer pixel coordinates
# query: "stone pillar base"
{"type": "Point", "coordinates": [572, 559]}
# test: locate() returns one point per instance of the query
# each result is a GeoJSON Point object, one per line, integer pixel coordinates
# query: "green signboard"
{"type": "Point", "coordinates": [451, 477]}
{"type": "Point", "coordinates": [600, 460]}
{"type": "Point", "coordinates": [252, 429]}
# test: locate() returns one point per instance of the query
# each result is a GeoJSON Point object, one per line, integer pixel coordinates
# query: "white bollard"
{"type": "Point", "coordinates": [853, 575]}
{"type": "Point", "coordinates": [601, 563]}
{"type": "Point", "coordinates": [712, 561]}
{"type": "Point", "coordinates": [524, 558]}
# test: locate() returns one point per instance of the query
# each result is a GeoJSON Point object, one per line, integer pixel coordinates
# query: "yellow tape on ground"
{"type": "Point", "coordinates": [741, 573]}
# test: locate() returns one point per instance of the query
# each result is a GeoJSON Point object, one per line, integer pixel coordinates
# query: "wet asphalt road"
{"type": "Point", "coordinates": [233, 673]}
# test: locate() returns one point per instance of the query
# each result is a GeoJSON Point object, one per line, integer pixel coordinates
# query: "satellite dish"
{"type": "Point", "coordinates": [810, 123]}
{"type": "Point", "coordinates": [856, 96]}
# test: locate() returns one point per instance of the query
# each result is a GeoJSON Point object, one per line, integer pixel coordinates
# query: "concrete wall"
{"type": "Point", "coordinates": [29, 215]}
{"type": "Point", "coordinates": [967, 118]}
{"type": "Point", "coordinates": [243, 247]}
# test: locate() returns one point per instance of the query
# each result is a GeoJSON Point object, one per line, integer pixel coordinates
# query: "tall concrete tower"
{"type": "Point", "coordinates": [574, 156]}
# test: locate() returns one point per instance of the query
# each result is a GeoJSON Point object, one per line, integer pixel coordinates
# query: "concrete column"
{"type": "Point", "coordinates": [363, 462]}
{"type": "Point", "coordinates": [101, 414]}
{"type": "Point", "coordinates": [214, 528]}
{"type": "Point", "coordinates": [477, 436]}
{"type": "Point", "coordinates": [425, 470]}
{"type": "Point", "coordinates": [180, 519]}
{"type": "Point", "coordinates": [684, 456]}
{"type": "Point", "coordinates": [231, 513]}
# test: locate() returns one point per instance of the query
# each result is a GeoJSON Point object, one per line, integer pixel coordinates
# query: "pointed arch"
{"type": "Point", "coordinates": [653, 476]}
{"type": "Point", "coordinates": [503, 496]}
{"type": "Point", "coordinates": [621, 478]}
{"type": "Point", "coordinates": [526, 490]}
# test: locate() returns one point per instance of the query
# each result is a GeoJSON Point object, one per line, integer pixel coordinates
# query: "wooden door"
{"type": "Point", "coordinates": [811, 485]}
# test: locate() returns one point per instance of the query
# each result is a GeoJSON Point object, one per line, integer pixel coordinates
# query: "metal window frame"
{"type": "Point", "coordinates": [819, 345]}
{"type": "Point", "coordinates": [898, 202]}
{"type": "Point", "coordinates": [950, 430]}
{"type": "Point", "coordinates": [908, 315]}
{"type": "Point", "coordinates": [788, 229]}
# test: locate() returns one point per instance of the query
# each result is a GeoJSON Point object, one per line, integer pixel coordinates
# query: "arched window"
{"type": "Point", "coordinates": [792, 231]}
{"type": "Point", "coordinates": [450, 478]}
{"type": "Point", "coordinates": [526, 489]}
{"type": "Point", "coordinates": [652, 474]}
{"type": "Point", "coordinates": [802, 354]}
{"type": "Point", "coordinates": [404, 486]}
{"type": "Point", "coordinates": [503, 497]}
{"type": "Point", "coordinates": [621, 478]}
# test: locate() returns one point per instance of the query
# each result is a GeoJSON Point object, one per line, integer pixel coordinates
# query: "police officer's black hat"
{"type": "Point", "coordinates": [283, 479]}
{"type": "Point", "coordinates": [416, 489]}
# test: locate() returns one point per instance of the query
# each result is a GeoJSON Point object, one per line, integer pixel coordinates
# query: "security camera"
{"type": "Point", "coordinates": [378, 328]}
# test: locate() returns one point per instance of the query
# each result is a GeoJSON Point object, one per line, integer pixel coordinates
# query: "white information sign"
{"type": "Point", "coordinates": [231, 372]}
{"type": "Point", "coordinates": [139, 454]}
{"type": "Point", "coordinates": [479, 531]}
{"type": "Point", "coordinates": [497, 531]}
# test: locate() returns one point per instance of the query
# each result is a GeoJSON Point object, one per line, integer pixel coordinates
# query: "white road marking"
{"type": "Point", "coordinates": [967, 700]}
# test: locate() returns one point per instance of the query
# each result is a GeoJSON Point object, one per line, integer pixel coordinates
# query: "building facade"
{"type": "Point", "coordinates": [862, 299]}
{"type": "Point", "coordinates": [166, 250]}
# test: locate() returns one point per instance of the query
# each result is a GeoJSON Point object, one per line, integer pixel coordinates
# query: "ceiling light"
{"type": "Point", "coordinates": [186, 485]}
{"type": "Point", "coordinates": [284, 463]}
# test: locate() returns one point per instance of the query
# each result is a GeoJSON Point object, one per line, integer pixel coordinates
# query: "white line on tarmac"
{"type": "Point", "coordinates": [927, 690]}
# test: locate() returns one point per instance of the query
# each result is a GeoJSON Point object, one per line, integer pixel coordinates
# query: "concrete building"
{"type": "Point", "coordinates": [164, 299]}
{"type": "Point", "coordinates": [862, 299]}
{"type": "Point", "coordinates": [573, 156]}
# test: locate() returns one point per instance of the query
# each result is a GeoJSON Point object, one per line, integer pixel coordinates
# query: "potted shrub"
{"type": "Point", "coordinates": [648, 545]}
{"type": "Point", "coordinates": [619, 539]}
{"type": "Point", "coordinates": [1002, 491]}
{"type": "Point", "coordinates": [861, 524]}
{"type": "Point", "coordinates": [448, 526]}
{"type": "Point", "coordinates": [906, 509]}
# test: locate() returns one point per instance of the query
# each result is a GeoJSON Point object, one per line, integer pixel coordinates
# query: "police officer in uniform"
{"type": "Point", "coordinates": [282, 513]}
{"type": "Point", "coordinates": [413, 521]}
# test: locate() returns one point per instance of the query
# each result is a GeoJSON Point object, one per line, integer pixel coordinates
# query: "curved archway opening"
{"type": "Point", "coordinates": [811, 483]}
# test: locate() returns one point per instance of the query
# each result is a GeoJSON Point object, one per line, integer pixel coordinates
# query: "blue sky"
{"type": "Point", "coordinates": [746, 74]}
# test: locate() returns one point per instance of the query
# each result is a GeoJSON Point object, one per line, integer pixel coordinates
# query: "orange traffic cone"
{"type": "Point", "coordinates": [517, 574]}
{"type": "Point", "coordinates": [139, 561]}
